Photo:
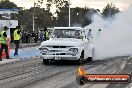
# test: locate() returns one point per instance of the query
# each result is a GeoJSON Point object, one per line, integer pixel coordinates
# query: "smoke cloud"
{"type": "Point", "coordinates": [115, 39]}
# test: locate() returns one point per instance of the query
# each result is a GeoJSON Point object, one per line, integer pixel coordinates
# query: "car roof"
{"type": "Point", "coordinates": [77, 28]}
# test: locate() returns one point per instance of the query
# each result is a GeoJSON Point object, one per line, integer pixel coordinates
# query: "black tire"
{"type": "Point", "coordinates": [81, 59]}
{"type": "Point", "coordinates": [89, 59]}
{"type": "Point", "coordinates": [45, 61]}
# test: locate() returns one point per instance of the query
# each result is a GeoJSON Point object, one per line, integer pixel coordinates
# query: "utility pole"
{"type": "Point", "coordinates": [33, 15]}
{"type": "Point", "coordinates": [69, 14]}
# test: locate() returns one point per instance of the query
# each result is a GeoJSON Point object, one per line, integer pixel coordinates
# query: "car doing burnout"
{"type": "Point", "coordinates": [67, 43]}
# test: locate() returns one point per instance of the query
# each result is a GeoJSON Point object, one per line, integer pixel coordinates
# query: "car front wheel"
{"type": "Point", "coordinates": [45, 61]}
{"type": "Point", "coordinates": [81, 59]}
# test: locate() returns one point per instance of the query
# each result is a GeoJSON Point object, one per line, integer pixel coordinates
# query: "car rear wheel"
{"type": "Point", "coordinates": [45, 61]}
{"type": "Point", "coordinates": [89, 59]}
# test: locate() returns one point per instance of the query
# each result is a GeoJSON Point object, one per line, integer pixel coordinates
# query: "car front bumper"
{"type": "Point", "coordinates": [59, 57]}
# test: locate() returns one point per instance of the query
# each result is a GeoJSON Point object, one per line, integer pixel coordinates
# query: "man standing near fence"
{"type": "Point", "coordinates": [16, 39]}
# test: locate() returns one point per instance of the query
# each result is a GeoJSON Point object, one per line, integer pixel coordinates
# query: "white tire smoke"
{"type": "Point", "coordinates": [115, 38]}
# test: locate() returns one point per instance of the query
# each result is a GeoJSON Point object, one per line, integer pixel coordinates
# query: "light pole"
{"type": "Point", "coordinates": [9, 24]}
{"type": "Point", "coordinates": [35, 19]}
{"type": "Point", "coordinates": [69, 14]}
{"type": "Point", "coordinates": [33, 15]}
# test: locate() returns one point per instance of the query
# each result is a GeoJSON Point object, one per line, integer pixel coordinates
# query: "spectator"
{"type": "Point", "coordinates": [98, 34]}
{"type": "Point", "coordinates": [90, 36]}
{"type": "Point", "coordinates": [36, 37]}
{"type": "Point", "coordinates": [26, 35]}
{"type": "Point", "coordinates": [4, 43]}
{"type": "Point", "coordinates": [16, 39]}
{"type": "Point", "coordinates": [41, 36]}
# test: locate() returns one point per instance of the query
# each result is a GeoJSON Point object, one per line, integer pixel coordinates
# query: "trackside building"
{"type": "Point", "coordinates": [9, 18]}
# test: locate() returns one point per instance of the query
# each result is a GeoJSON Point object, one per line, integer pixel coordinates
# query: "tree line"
{"type": "Point", "coordinates": [44, 18]}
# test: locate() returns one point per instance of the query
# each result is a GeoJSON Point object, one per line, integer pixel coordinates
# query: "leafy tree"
{"type": "Point", "coordinates": [42, 18]}
{"type": "Point", "coordinates": [79, 16]}
{"type": "Point", "coordinates": [48, 5]}
{"type": "Point", "coordinates": [63, 14]}
{"type": "Point", "coordinates": [110, 10]}
{"type": "Point", "coordinates": [7, 4]}
{"type": "Point", "coordinates": [58, 4]}
{"type": "Point", "coordinates": [89, 15]}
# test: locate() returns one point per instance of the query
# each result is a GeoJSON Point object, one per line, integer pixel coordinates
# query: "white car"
{"type": "Point", "coordinates": [67, 43]}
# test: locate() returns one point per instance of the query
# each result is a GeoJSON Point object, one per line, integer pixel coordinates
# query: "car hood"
{"type": "Point", "coordinates": [62, 42]}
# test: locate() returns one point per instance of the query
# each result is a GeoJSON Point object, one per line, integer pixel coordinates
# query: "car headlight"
{"type": "Point", "coordinates": [73, 50]}
{"type": "Point", "coordinates": [44, 50]}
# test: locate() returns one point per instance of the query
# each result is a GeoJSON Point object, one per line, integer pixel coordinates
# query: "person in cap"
{"type": "Point", "coordinates": [89, 36]}
{"type": "Point", "coordinates": [16, 39]}
{"type": "Point", "coordinates": [4, 43]}
{"type": "Point", "coordinates": [98, 34]}
{"type": "Point", "coordinates": [89, 33]}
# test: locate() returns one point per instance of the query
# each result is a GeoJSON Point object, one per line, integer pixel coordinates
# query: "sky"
{"type": "Point", "coordinates": [97, 4]}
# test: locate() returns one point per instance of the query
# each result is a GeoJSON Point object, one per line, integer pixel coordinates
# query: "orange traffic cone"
{"type": "Point", "coordinates": [3, 53]}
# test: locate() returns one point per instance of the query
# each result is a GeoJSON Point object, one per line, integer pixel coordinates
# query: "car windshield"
{"type": "Point", "coordinates": [67, 33]}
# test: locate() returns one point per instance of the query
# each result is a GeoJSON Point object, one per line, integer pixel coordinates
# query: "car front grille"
{"type": "Point", "coordinates": [60, 54]}
{"type": "Point", "coordinates": [58, 50]}
{"type": "Point", "coordinates": [59, 46]}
